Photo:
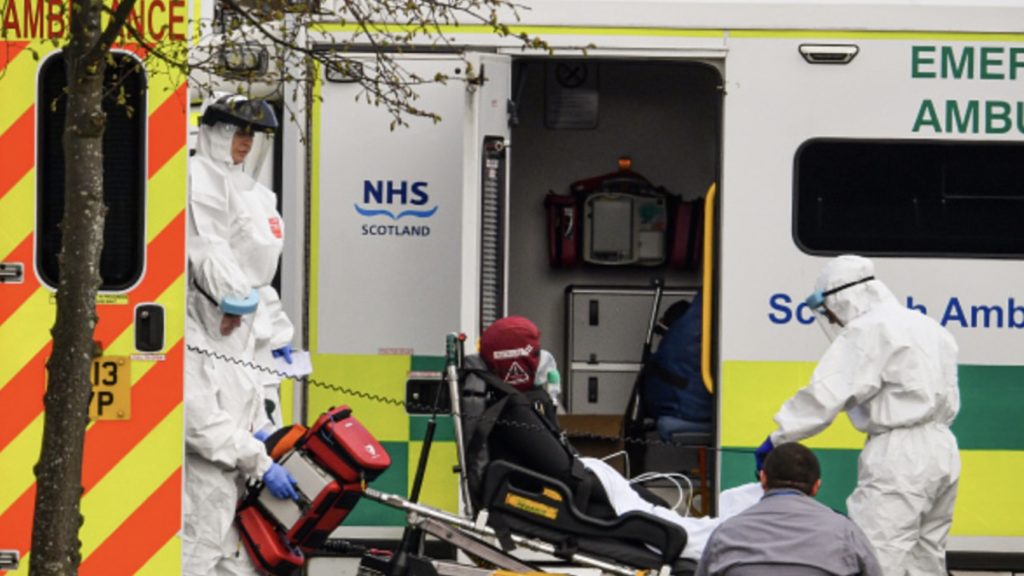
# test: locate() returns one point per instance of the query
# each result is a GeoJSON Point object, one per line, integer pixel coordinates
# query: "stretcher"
{"type": "Point", "coordinates": [509, 507]}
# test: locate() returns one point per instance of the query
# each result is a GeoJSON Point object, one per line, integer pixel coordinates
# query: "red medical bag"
{"type": "Point", "coordinates": [341, 444]}
{"type": "Point", "coordinates": [329, 464]}
{"type": "Point", "coordinates": [267, 546]}
{"type": "Point", "coordinates": [687, 234]}
{"type": "Point", "coordinates": [563, 230]}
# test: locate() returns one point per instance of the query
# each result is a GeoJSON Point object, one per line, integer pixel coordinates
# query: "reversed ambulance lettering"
{"type": "Point", "coordinates": [154, 19]}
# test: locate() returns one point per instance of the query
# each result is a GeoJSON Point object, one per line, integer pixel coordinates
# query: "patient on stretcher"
{"type": "Point", "coordinates": [522, 428]}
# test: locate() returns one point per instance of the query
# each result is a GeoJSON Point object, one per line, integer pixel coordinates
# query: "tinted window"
{"type": "Point", "coordinates": [124, 178]}
{"type": "Point", "coordinates": [910, 198]}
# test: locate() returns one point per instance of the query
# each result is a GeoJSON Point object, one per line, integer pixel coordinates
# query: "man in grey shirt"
{"type": "Point", "coordinates": [789, 532]}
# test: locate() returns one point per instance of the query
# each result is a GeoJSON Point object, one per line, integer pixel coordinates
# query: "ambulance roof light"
{"type": "Point", "coordinates": [828, 53]}
{"type": "Point", "coordinates": [243, 59]}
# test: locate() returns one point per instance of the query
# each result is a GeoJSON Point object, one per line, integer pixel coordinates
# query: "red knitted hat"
{"type": "Point", "coordinates": [511, 348]}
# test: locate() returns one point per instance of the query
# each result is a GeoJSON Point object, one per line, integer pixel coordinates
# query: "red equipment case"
{"type": "Point", "coordinates": [267, 547]}
{"type": "Point", "coordinates": [329, 464]}
{"type": "Point", "coordinates": [346, 449]}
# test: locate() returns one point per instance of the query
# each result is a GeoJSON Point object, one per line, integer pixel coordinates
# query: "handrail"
{"type": "Point", "coordinates": [708, 256]}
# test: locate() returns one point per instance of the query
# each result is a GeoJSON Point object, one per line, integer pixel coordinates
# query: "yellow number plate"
{"type": "Point", "coordinates": [111, 388]}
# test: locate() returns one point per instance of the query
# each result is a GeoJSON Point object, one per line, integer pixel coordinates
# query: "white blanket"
{"type": "Point", "coordinates": [624, 499]}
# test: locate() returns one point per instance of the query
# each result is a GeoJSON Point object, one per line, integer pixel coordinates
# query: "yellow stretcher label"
{"type": "Point", "coordinates": [552, 494]}
{"type": "Point", "coordinates": [531, 506]}
{"type": "Point", "coordinates": [111, 397]}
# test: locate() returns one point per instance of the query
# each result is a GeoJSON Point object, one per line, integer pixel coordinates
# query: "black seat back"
{"type": "Point", "coordinates": [500, 422]}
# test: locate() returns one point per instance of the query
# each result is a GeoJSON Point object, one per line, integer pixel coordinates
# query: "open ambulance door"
{"type": "Point", "coordinates": [395, 248]}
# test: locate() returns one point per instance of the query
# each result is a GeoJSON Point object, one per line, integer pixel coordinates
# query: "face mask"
{"type": "Point", "coordinates": [830, 324]}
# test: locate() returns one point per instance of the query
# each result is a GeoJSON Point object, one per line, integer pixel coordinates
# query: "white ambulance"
{"type": "Point", "coordinates": [796, 130]}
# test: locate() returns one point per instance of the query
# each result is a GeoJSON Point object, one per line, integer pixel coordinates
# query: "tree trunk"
{"type": "Point", "coordinates": [55, 544]}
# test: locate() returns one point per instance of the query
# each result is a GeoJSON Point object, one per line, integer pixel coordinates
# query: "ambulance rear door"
{"type": "Point", "coordinates": [133, 455]}
{"type": "Point", "coordinates": [395, 250]}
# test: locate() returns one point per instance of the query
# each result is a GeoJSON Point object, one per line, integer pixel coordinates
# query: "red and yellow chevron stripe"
{"type": "Point", "coordinates": [132, 473]}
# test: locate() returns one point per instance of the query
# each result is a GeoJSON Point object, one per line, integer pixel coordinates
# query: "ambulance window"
{"type": "Point", "coordinates": [909, 198]}
{"type": "Point", "coordinates": [124, 178]}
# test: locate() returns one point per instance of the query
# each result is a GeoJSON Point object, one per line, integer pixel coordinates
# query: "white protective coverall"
{"type": "Point", "coordinates": [894, 371]}
{"type": "Point", "coordinates": [235, 239]}
{"type": "Point", "coordinates": [272, 330]}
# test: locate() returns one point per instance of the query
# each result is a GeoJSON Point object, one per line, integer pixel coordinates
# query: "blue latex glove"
{"type": "Point", "coordinates": [261, 435]}
{"type": "Point", "coordinates": [762, 452]}
{"type": "Point", "coordinates": [280, 482]}
{"type": "Point", "coordinates": [283, 352]}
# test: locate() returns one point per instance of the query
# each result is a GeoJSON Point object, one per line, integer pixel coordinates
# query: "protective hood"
{"type": "Point", "coordinates": [214, 142]}
{"type": "Point", "coordinates": [858, 298]}
{"type": "Point", "coordinates": [511, 348]}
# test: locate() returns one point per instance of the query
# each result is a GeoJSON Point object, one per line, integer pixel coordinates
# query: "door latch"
{"type": "Point", "coordinates": [12, 272]}
{"type": "Point", "coordinates": [149, 327]}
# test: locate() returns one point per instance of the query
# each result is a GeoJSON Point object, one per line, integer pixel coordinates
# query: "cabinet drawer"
{"type": "Point", "coordinates": [599, 391]}
{"type": "Point", "coordinates": [610, 325]}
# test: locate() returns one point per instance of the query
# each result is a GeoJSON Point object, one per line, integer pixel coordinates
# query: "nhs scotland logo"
{"type": "Point", "coordinates": [395, 200]}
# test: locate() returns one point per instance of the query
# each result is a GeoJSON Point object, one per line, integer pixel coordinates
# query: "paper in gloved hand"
{"type": "Point", "coordinates": [301, 364]}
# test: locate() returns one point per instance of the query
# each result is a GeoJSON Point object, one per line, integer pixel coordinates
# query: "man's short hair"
{"type": "Point", "coordinates": [792, 465]}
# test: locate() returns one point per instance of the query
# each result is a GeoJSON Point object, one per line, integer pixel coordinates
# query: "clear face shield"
{"type": "Point", "coordinates": [255, 163]}
{"type": "Point", "coordinates": [829, 322]}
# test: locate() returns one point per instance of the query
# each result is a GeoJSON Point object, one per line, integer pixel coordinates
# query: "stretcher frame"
{"type": "Point", "coordinates": [473, 536]}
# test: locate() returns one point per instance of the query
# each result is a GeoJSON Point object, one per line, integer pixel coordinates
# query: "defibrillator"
{"type": "Point", "coordinates": [622, 219]}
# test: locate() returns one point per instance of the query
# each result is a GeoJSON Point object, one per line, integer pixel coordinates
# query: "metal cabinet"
{"type": "Point", "coordinates": [605, 332]}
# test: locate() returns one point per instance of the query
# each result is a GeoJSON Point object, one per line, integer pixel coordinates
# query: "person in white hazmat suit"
{"type": "Point", "coordinates": [234, 242]}
{"type": "Point", "coordinates": [894, 371]}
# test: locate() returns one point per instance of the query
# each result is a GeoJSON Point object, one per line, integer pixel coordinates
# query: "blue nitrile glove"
{"type": "Point", "coordinates": [261, 435]}
{"type": "Point", "coordinates": [762, 452]}
{"type": "Point", "coordinates": [283, 352]}
{"type": "Point", "coordinates": [280, 482]}
{"type": "Point", "coordinates": [240, 306]}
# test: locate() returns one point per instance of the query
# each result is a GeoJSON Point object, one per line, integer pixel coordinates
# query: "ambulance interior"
{"type": "Point", "coordinates": [575, 119]}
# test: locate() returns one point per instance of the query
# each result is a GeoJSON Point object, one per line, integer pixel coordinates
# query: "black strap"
{"type": "Point", "coordinates": [204, 293]}
{"type": "Point", "coordinates": [484, 426]}
{"type": "Point", "coordinates": [566, 547]}
{"type": "Point", "coordinates": [502, 532]}
{"type": "Point", "coordinates": [847, 285]}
